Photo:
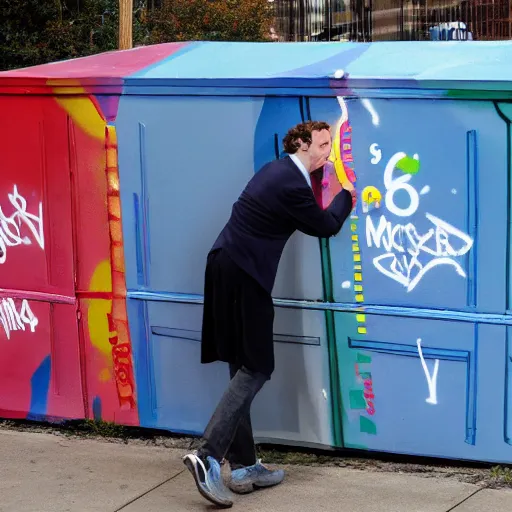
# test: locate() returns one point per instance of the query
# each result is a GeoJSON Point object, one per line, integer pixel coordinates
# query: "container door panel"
{"type": "Point", "coordinates": [35, 198]}
{"type": "Point", "coordinates": [421, 236]}
{"type": "Point", "coordinates": [427, 387]}
{"type": "Point", "coordinates": [505, 111]}
{"type": "Point", "coordinates": [39, 351]}
{"type": "Point", "coordinates": [176, 392]}
{"type": "Point", "coordinates": [408, 385]}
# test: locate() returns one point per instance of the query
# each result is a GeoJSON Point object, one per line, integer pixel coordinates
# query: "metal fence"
{"type": "Point", "coordinates": [392, 20]}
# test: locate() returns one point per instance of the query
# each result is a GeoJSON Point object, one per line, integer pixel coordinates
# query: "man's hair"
{"type": "Point", "coordinates": [302, 131]}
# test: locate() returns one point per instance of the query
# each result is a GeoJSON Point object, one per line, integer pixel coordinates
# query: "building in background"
{"type": "Point", "coordinates": [392, 20]}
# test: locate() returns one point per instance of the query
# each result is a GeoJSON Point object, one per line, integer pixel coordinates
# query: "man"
{"type": "Point", "coordinates": [238, 310]}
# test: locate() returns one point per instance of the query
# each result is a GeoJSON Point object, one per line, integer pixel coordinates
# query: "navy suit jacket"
{"type": "Point", "coordinates": [276, 202]}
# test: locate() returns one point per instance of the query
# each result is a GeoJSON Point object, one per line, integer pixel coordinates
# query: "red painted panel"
{"type": "Point", "coordinates": [39, 350]}
{"type": "Point", "coordinates": [35, 200]}
{"type": "Point", "coordinates": [21, 353]}
{"type": "Point", "coordinates": [62, 237]}
{"type": "Point", "coordinates": [65, 399]}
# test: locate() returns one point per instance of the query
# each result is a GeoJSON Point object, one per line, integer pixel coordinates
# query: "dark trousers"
{"type": "Point", "coordinates": [229, 433]}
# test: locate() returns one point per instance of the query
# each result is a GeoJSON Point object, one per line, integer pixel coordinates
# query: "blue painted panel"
{"type": "Point", "coordinates": [175, 200]}
{"type": "Point", "coordinates": [493, 398]}
{"type": "Point", "coordinates": [177, 393]}
{"type": "Point", "coordinates": [493, 441]}
{"type": "Point", "coordinates": [505, 111]}
{"type": "Point", "coordinates": [295, 405]}
{"type": "Point", "coordinates": [171, 190]}
{"type": "Point", "coordinates": [396, 415]}
{"type": "Point", "coordinates": [181, 169]}
{"type": "Point", "coordinates": [432, 243]}
{"type": "Point", "coordinates": [441, 396]}
{"type": "Point", "coordinates": [184, 392]}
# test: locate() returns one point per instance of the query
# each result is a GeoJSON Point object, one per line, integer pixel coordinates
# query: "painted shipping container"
{"type": "Point", "coordinates": [120, 169]}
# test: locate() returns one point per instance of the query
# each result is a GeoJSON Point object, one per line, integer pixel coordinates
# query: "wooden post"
{"type": "Point", "coordinates": [125, 24]}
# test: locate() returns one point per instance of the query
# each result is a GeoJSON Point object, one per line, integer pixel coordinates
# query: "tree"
{"type": "Point", "coordinates": [21, 24]}
{"type": "Point", "coordinates": [213, 20]}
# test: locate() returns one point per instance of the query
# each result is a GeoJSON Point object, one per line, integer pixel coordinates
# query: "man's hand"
{"type": "Point", "coordinates": [348, 185]}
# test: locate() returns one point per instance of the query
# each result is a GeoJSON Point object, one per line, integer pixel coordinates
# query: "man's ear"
{"type": "Point", "coordinates": [303, 145]}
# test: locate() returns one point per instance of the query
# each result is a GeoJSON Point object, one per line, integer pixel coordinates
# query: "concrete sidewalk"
{"type": "Point", "coordinates": [50, 473]}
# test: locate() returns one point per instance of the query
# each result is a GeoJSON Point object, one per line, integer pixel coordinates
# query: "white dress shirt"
{"type": "Point", "coordinates": [302, 169]}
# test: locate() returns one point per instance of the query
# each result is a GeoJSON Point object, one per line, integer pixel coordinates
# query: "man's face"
{"type": "Point", "coordinates": [320, 148]}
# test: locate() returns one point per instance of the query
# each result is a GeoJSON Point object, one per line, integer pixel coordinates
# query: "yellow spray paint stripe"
{"type": "Point", "coordinates": [336, 157]}
{"type": "Point", "coordinates": [358, 274]}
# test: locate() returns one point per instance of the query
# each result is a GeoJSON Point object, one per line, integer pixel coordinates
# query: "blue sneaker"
{"type": "Point", "coordinates": [248, 479]}
{"type": "Point", "coordinates": [208, 480]}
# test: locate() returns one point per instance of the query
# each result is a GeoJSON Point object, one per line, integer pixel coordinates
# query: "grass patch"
{"type": "Point", "coordinates": [502, 475]}
{"type": "Point", "coordinates": [100, 428]}
{"type": "Point", "coordinates": [82, 428]}
{"type": "Point", "coordinates": [284, 456]}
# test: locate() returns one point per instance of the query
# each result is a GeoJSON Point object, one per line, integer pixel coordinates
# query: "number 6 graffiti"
{"type": "Point", "coordinates": [401, 183]}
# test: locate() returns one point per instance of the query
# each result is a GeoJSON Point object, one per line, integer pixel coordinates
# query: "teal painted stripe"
{"type": "Point", "coordinates": [334, 376]}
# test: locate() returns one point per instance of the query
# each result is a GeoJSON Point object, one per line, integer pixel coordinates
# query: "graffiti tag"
{"type": "Point", "coordinates": [431, 379]}
{"type": "Point", "coordinates": [409, 255]}
{"type": "Point", "coordinates": [377, 154]}
{"type": "Point", "coordinates": [15, 228]}
{"type": "Point", "coordinates": [404, 245]}
{"type": "Point", "coordinates": [368, 393]}
{"type": "Point", "coordinates": [14, 319]}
